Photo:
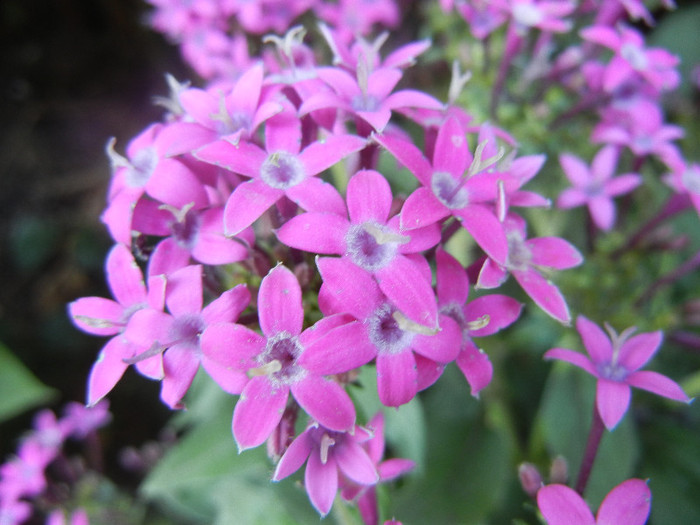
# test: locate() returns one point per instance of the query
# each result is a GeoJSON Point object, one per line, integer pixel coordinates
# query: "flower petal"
{"type": "Point", "coordinates": [321, 233]}
{"type": "Point", "coordinates": [638, 350]}
{"type": "Point", "coordinates": [612, 400]}
{"type": "Point", "coordinates": [575, 358]}
{"type": "Point", "coordinates": [369, 197]}
{"type": "Point", "coordinates": [561, 505]}
{"type": "Point", "coordinates": [396, 378]}
{"type": "Point", "coordinates": [325, 401]}
{"type": "Point", "coordinates": [544, 293]}
{"type": "Point", "coordinates": [279, 303]}
{"type": "Point", "coordinates": [294, 457]}
{"type": "Point", "coordinates": [340, 350]}
{"type": "Point", "coordinates": [628, 503]}
{"type": "Point", "coordinates": [657, 384]}
{"type": "Point", "coordinates": [595, 340]}
{"type": "Point", "coordinates": [476, 367]}
{"type": "Point", "coordinates": [257, 412]}
{"type": "Point", "coordinates": [247, 203]}
{"type": "Point", "coordinates": [321, 482]}
{"type": "Point", "coordinates": [354, 462]}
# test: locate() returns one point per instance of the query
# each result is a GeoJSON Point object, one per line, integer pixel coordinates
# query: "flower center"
{"type": "Point", "coordinates": [635, 56]}
{"type": "Point", "coordinates": [141, 167]}
{"type": "Point", "coordinates": [385, 332]}
{"type": "Point", "coordinates": [527, 14]}
{"type": "Point", "coordinates": [278, 361]}
{"type": "Point", "coordinates": [365, 102]}
{"type": "Point", "coordinates": [519, 255]}
{"type": "Point", "coordinates": [612, 371]}
{"type": "Point", "coordinates": [282, 170]}
{"type": "Point", "coordinates": [449, 191]}
{"type": "Point", "coordinates": [186, 329]}
{"type": "Point", "coordinates": [371, 246]}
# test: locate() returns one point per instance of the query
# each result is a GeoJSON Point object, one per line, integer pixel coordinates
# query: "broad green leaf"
{"type": "Point", "coordinates": [19, 389]}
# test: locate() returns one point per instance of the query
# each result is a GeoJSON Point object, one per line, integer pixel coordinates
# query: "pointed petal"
{"type": "Point", "coordinates": [476, 367]}
{"type": "Point", "coordinates": [403, 284]}
{"type": "Point", "coordinates": [575, 358]}
{"type": "Point", "coordinates": [124, 276]}
{"type": "Point", "coordinates": [180, 364]}
{"type": "Point", "coordinates": [628, 503]}
{"type": "Point", "coordinates": [319, 156]}
{"type": "Point", "coordinates": [232, 345]}
{"type": "Point", "coordinates": [321, 482]}
{"type": "Point", "coordinates": [167, 258]}
{"type": "Point", "coordinates": [422, 208]}
{"type": "Point", "coordinates": [354, 462]}
{"type": "Point", "coordinates": [257, 412]}
{"type": "Point", "coordinates": [369, 197]}
{"type": "Point", "coordinates": [183, 294]}
{"type": "Point", "coordinates": [443, 346]}
{"type": "Point", "coordinates": [230, 380]}
{"type": "Point", "coordinates": [247, 203]}
{"type": "Point", "coordinates": [244, 158]}
{"type": "Point", "coordinates": [174, 184]}
{"type": "Point", "coordinates": [595, 340]}
{"type": "Point", "coordinates": [451, 149]}
{"type": "Point", "coordinates": [576, 170]}
{"type": "Point", "coordinates": [340, 350]}
{"type": "Point", "coordinates": [407, 154]}
{"type": "Point", "coordinates": [561, 505]}
{"type": "Point", "coordinates": [491, 275]}
{"type": "Point", "coordinates": [325, 401]}
{"type": "Point", "coordinates": [545, 294]}
{"type": "Point", "coordinates": [553, 252]}
{"type": "Point", "coordinates": [109, 368]}
{"type": "Point", "coordinates": [639, 349]}
{"type": "Point", "coordinates": [97, 315]}
{"type": "Point", "coordinates": [322, 233]}
{"type": "Point", "coordinates": [279, 303]}
{"type": "Point", "coordinates": [428, 371]}
{"type": "Point", "coordinates": [452, 280]}
{"type": "Point", "coordinates": [486, 230]}
{"type": "Point", "coordinates": [228, 306]}
{"type": "Point", "coordinates": [351, 287]}
{"type": "Point", "coordinates": [657, 384]}
{"type": "Point", "coordinates": [612, 400]}
{"type": "Point", "coordinates": [294, 457]}
{"type": "Point", "coordinates": [396, 378]}
{"type": "Point", "coordinates": [501, 310]}
{"type": "Point", "coordinates": [316, 195]}
{"type": "Point", "coordinates": [602, 210]}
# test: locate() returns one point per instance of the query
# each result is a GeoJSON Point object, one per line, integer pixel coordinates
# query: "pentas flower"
{"type": "Point", "coordinates": [482, 16]}
{"type": "Point", "coordinates": [480, 317]}
{"type": "Point", "coordinates": [455, 183]}
{"type": "Point", "coordinates": [526, 259]}
{"type": "Point", "coordinates": [285, 359]}
{"type": "Point", "coordinates": [352, 18]}
{"type": "Point", "coordinates": [373, 242]}
{"type": "Point", "coordinates": [108, 317]}
{"type": "Point", "coordinates": [171, 341]}
{"type": "Point", "coordinates": [367, 95]}
{"type": "Point", "coordinates": [628, 503]}
{"type": "Point", "coordinates": [656, 66]}
{"type": "Point", "coordinates": [328, 454]}
{"type": "Point", "coordinates": [685, 178]}
{"type": "Point", "coordinates": [614, 360]}
{"type": "Point", "coordinates": [388, 470]}
{"type": "Point", "coordinates": [595, 186]}
{"type": "Point", "coordinates": [261, 16]}
{"type": "Point", "coordinates": [278, 170]}
{"type": "Point", "coordinates": [541, 14]}
{"type": "Point", "coordinates": [383, 329]}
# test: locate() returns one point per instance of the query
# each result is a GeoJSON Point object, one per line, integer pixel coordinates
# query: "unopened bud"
{"type": "Point", "coordinates": [559, 471]}
{"type": "Point", "coordinates": [530, 479]}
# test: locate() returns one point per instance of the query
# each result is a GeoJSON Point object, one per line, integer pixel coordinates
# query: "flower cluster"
{"type": "Point", "coordinates": [264, 234]}
{"type": "Point", "coordinates": [23, 477]}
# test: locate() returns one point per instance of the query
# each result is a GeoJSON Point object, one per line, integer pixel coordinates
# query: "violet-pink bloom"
{"type": "Point", "coordinates": [281, 169]}
{"type": "Point", "coordinates": [352, 18]}
{"type": "Point", "coordinates": [176, 335]}
{"type": "Point", "coordinates": [614, 360]}
{"type": "Point", "coordinates": [454, 184]}
{"type": "Point", "coordinates": [596, 186]}
{"type": "Point", "coordinates": [79, 420]}
{"type": "Point", "coordinates": [685, 179]}
{"type": "Point", "coordinates": [526, 260]}
{"type": "Point", "coordinates": [328, 454]}
{"type": "Point", "coordinates": [541, 14]}
{"type": "Point", "coordinates": [366, 95]}
{"type": "Point", "coordinates": [629, 503]}
{"type": "Point", "coordinates": [482, 16]}
{"type": "Point", "coordinates": [13, 511]}
{"type": "Point", "coordinates": [655, 65]}
{"type": "Point", "coordinates": [285, 359]}
{"type": "Point", "coordinates": [390, 469]}
{"type": "Point", "coordinates": [383, 329]}
{"type": "Point", "coordinates": [261, 16]}
{"type": "Point", "coordinates": [373, 242]}
{"type": "Point", "coordinates": [483, 316]}
{"type": "Point", "coordinates": [107, 317]}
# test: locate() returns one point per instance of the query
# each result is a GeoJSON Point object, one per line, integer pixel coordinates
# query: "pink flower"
{"type": "Point", "coordinates": [685, 178]}
{"type": "Point", "coordinates": [629, 503]}
{"type": "Point", "coordinates": [614, 360]}
{"type": "Point", "coordinates": [285, 359]}
{"type": "Point", "coordinates": [328, 454]}
{"type": "Point", "coordinates": [596, 186]}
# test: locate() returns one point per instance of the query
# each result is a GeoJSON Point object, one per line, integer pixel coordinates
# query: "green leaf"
{"type": "Point", "coordinates": [19, 389]}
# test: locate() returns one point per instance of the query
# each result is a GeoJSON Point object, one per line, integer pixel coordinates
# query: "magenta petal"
{"type": "Point", "coordinates": [476, 367]}
{"type": "Point", "coordinates": [428, 371]}
{"type": "Point", "coordinates": [340, 350]}
{"type": "Point", "coordinates": [232, 345]}
{"type": "Point", "coordinates": [148, 326]}
{"type": "Point", "coordinates": [561, 505]}
{"type": "Point", "coordinates": [354, 462]}
{"type": "Point", "coordinates": [279, 303]}
{"type": "Point", "coordinates": [353, 288]}
{"type": "Point", "coordinates": [486, 230]}
{"type": "Point", "coordinates": [167, 257]}
{"type": "Point", "coordinates": [576, 170]}
{"type": "Point", "coordinates": [321, 482]}
{"type": "Point", "coordinates": [258, 412]}
{"type": "Point", "coordinates": [109, 368]}
{"type": "Point", "coordinates": [452, 280]}
{"type": "Point", "coordinates": [97, 315]}
{"type": "Point", "coordinates": [575, 358]}
{"type": "Point", "coordinates": [451, 149]}
{"type": "Point", "coordinates": [491, 275]}
{"type": "Point", "coordinates": [403, 283]}
{"type": "Point", "coordinates": [544, 293]}
{"type": "Point", "coordinates": [422, 208]}
{"type": "Point", "coordinates": [369, 197]}
{"type": "Point", "coordinates": [595, 340]}
{"type": "Point", "coordinates": [230, 380]}
{"type": "Point", "coordinates": [174, 184]}
{"type": "Point", "coordinates": [409, 155]}
{"type": "Point", "coordinates": [124, 276]}
{"type": "Point", "coordinates": [553, 252]}
{"type": "Point", "coordinates": [628, 503]}
{"type": "Point", "coordinates": [322, 233]}
{"type": "Point", "coordinates": [321, 155]}
{"type": "Point", "coordinates": [395, 467]}
{"type": "Point", "coordinates": [313, 194]}
{"type": "Point", "coordinates": [396, 378]}
{"type": "Point", "coordinates": [294, 457]}
{"type": "Point", "coordinates": [325, 401]}
{"type": "Point", "coordinates": [501, 310]}
{"type": "Point", "coordinates": [602, 210]}
{"type": "Point", "coordinates": [247, 203]}
{"type": "Point", "coordinates": [180, 364]}
{"type": "Point", "coordinates": [443, 346]}
{"type": "Point", "coordinates": [638, 350]}
{"type": "Point", "coordinates": [612, 400]}
{"type": "Point", "coordinates": [244, 158]}
{"type": "Point", "coordinates": [228, 306]}
{"type": "Point", "coordinates": [184, 291]}
{"type": "Point", "coordinates": [657, 384]}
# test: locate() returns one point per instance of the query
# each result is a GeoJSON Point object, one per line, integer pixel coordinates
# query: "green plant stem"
{"type": "Point", "coordinates": [594, 437]}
